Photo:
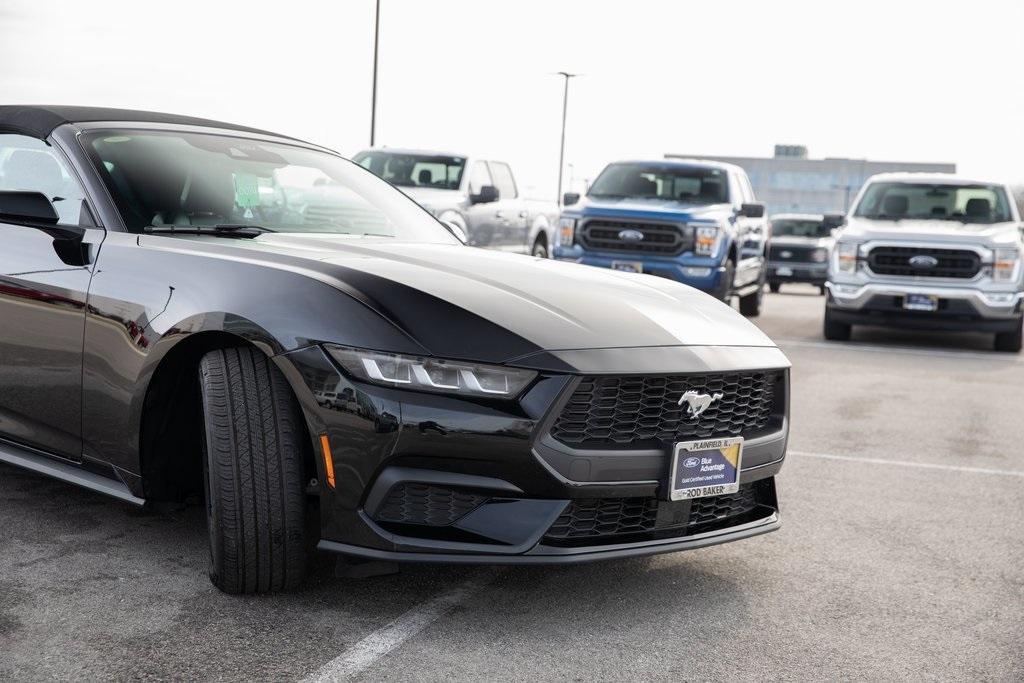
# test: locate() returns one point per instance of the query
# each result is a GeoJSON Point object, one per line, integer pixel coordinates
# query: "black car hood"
{"type": "Point", "coordinates": [462, 302]}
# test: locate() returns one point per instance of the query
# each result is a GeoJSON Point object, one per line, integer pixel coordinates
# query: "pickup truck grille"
{"type": "Point", "coordinates": [949, 263]}
{"type": "Point", "coordinates": [790, 254]}
{"type": "Point", "coordinates": [658, 238]}
{"type": "Point", "coordinates": [607, 412]}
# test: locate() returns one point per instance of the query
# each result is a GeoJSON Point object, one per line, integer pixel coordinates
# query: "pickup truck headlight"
{"type": "Point", "coordinates": [846, 257]}
{"type": "Point", "coordinates": [431, 374]}
{"type": "Point", "coordinates": [706, 240]}
{"type": "Point", "coordinates": [1004, 265]}
{"type": "Point", "coordinates": [819, 255]}
{"type": "Point", "coordinates": [566, 231]}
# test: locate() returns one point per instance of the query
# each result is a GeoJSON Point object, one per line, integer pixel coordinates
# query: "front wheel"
{"type": "Point", "coordinates": [774, 287]}
{"type": "Point", "coordinates": [834, 330]}
{"type": "Point", "coordinates": [750, 305]}
{"type": "Point", "coordinates": [253, 469]}
{"type": "Point", "coordinates": [540, 248]}
{"type": "Point", "coordinates": [1010, 341]}
{"type": "Point", "coordinates": [723, 290]}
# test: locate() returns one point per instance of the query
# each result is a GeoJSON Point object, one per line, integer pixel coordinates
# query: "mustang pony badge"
{"type": "Point", "coordinates": [697, 403]}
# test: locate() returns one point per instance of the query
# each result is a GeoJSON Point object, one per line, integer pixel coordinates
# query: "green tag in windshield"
{"type": "Point", "coordinates": [247, 190]}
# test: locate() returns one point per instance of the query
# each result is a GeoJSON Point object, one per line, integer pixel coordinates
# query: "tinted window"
{"type": "Point", "coordinates": [503, 180]}
{"type": "Point", "coordinates": [691, 184]}
{"type": "Point", "coordinates": [414, 170]}
{"type": "Point", "coordinates": [963, 203]}
{"type": "Point", "coordinates": [788, 227]}
{"type": "Point", "coordinates": [30, 164]}
{"type": "Point", "coordinates": [165, 178]}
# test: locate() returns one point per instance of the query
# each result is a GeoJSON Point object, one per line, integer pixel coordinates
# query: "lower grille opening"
{"type": "Point", "coordinates": [599, 521]}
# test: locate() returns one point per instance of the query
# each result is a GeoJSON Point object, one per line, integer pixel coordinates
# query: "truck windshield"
{"type": "Point", "coordinates": [690, 184]}
{"type": "Point", "coordinates": [790, 227]}
{"type": "Point", "coordinates": [414, 170]}
{"type": "Point", "coordinates": [929, 201]}
{"type": "Point", "coordinates": [162, 178]}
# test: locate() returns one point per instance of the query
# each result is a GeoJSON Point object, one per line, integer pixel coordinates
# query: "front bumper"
{"type": "Point", "coordinates": [685, 268]}
{"type": "Point", "coordinates": [815, 274]}
{"type": "Point", "coordinates": [960, 308]}
{"type": "Point", "coordinates": [432, 478]}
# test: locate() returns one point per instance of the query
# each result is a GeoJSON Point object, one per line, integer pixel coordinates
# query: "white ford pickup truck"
{"type": "Point", "coordinates": [935, 252]}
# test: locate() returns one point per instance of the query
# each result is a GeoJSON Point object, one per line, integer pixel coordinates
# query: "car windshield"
{"type": "Point", "coordinates": [690, 184]}
{"type": "Point", "coordinates": [934, 201]}
{"type": "Point", "coordinates": [161, 178]}
{"type": "Point", "coordinates": [794, 227]}
{"type": "Point", "coordinates": [414, 170]}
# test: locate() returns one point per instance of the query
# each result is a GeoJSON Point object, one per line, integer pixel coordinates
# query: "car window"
{"type": "Point", "coordinates": [503, 180]}
{"type": "Point", "coordinates": [690, 184]}
{"type": "Point", "coordinates": [981, 203]}
{"type": "Point", "coordinates": [745, 188]}
{"type": "Point", "coordinates": [414, 170]}
{"type": "Point", "coordinates": [31, 165]}
{"type": "Point", "coordinates": [479, 177]}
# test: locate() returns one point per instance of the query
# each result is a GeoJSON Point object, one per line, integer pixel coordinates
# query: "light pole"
{"type": "Point", "coordinates": [565, 109]}
{"type": "Point", "coordinates": [373, 101]}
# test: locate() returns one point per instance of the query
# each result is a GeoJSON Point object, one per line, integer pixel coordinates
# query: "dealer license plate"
{"type": "Point", "coordinates": [710, 467]}
{"type": "Point", "coordinates": [921, 302]}
{"type": "Point", "coordinates": [628, 266]}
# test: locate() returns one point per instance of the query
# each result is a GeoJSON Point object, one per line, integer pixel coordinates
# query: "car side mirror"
{"type": "Point", "coordinates": [752, 210]}
{"type": "Point", "coordinates": [833, 220]}
{"type": "Point", "coordinates": [27, 207]}
{"type": "Point", "coordinates": [487, 194]}
{"type": "Point", "coordinates": [570, 198]}
{"type": "Point", "coordinates": [457, 230]}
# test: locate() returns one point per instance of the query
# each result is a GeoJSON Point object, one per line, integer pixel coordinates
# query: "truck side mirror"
{"type": "Point", "coordinates": [752, 210]}
{"type": "Point", "coordinates": [570, 198]}
{"type": "Point", "coordinates": [487, 194]}
{"type": "Point", "coordinates": [29, 207]}
{"type": "Point", "coordinates": [833, 220]}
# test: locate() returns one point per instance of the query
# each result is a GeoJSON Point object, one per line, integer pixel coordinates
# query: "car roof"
{"type": "Point", "coordinates": [936, 178]}
{"type": "Point", "coordinates": [39, 121]}
{"type": "Point", "coordinates": [420, 152]}
{"type": "Point", "coordinates": [797, 217]}
{"type": "Point", "coordinates": [686, 163]}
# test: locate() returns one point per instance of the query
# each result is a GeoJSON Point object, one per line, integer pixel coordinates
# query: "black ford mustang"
{"type": "Point", "coordinates": [192, 308]}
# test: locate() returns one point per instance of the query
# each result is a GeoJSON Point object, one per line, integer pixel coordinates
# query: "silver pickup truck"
{"type": "Point", "coordinates": [934, 252]}
{"type": "Point", "coordinates": [479, 197]}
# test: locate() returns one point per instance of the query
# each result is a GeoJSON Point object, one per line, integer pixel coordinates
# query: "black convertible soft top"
{"type": "Point", "coordinates": [40, 120]}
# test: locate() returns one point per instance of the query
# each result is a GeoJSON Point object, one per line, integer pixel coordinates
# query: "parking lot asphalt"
{"type": "Point", "coordinates": [901, 555]}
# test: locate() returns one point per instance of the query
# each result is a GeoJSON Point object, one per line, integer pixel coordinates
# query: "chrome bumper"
{"type": "Point", "coordinates": [995, 304]}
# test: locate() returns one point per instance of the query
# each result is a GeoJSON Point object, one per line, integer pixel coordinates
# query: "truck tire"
{"type": "Point", "coordinates": [253, 471]}
{"type": "Point", "coordinates": [540, 247]}
{"type": "Point", "coordinates": [774, 287]}
{"type": "Point", "coordinates": [750, 305]}
{"type": "Point", "coordinates": [723, 290]}
{"type": "Point", "coordinates": [1010, 341]}
{"type": "Point", "coordinates": [836, 331]}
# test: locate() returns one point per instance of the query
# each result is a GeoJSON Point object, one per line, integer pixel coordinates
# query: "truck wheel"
{"type": "Point", "coordinates": [723, 290]}
{"type": "Point", "coordinates": [750, 305]}
{"type": "Point", "coordinates": [540, 248]}
{"type": "Point", "coordinates": [1010, 341]}
{"type": "Point", "coordinates": [255, 503]}
{"type": "Point", "coordinates": [822, 290]}
{"type": "Point", "coordinates": [836, 331]}
{"type": "Point", "coordinates": [774, 287]}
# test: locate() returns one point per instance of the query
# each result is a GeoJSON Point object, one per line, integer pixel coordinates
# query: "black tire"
{"type": "Point", "coordinates": [821, 290]}
{"type": "Point", "coordinates": [836, 331]}
{"type": "Point", "coordinates": [1010, 341]}
{"type": "Point", "coordinates": [774, 287]}
{"type": "Point", "coordinates": [750, 305]}
{"type": "Point", "coordinates": [255, 502]}
{"type": "Point", "coordinates": [540, 248]}
{"type": "Point", "coordinates": [723, 291]}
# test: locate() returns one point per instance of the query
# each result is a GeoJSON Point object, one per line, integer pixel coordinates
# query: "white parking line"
{"type": "Point", "coordinates": [370, 649]}
{"type": "Point", "coordinates": [908, 463]}
{"type": "Point", "coordinates": [942, 353]}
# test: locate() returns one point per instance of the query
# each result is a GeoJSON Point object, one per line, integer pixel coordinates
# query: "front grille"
{"type": "Point", "coordinates": [411, 503]}
{"type": "Point", "coordinates": [618, 517]}
{"type": "Point", "coordinates": [658, 238]}
{"type": "Point", "coordinates": [795, 254]}
{"type": "Point", "coordinates": [639, 412]}
{"type": "Point", "coordinates": [951, 263]}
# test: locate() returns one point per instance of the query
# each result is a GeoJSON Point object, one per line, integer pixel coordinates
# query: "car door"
{"type": "Point", "coordinates": [481, 219]}
{"type": "Point", "coordinates": [44, 282]}
{"type": "Point", "coordinates": [750, 234]}
{"type": "Point", "coordinates": [511, 209]}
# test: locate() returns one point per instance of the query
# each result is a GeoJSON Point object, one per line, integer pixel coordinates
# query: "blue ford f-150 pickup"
{"type": "Point", "coordinates": [696, 222]}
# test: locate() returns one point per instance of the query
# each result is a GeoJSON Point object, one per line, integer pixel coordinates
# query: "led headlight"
{"type": "Point", "coordinates": [1004, 266]}
{"type": "Point", "coordinates": [706, 242]}
{"type": "Point", "coordinates": [845, 260]}
{"type": "Point", "coordinates": [431, 374]}
{"type": "Point", "coordinates": [566, 231]}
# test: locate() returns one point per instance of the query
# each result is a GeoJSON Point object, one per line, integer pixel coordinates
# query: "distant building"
{"type": "Point", "coordinates": [789, 182]}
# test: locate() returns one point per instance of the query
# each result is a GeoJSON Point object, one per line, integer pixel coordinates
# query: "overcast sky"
{"type": "Point", "coordinates": [904, 81]}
